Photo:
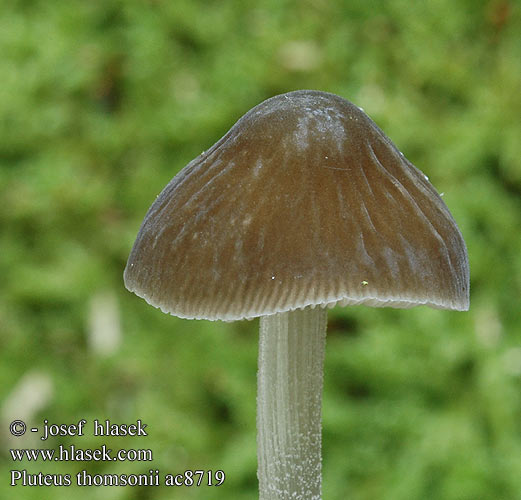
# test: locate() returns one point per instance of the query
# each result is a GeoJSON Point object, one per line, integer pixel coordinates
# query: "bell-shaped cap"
{"type": "Point", "coordinates": [303, 202]}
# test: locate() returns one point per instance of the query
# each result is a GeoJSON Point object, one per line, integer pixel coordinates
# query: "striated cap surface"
{"type": "Point", "coordinates": [303, 202]}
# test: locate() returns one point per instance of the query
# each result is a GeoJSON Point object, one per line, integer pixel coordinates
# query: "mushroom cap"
{"type": "Point", "coordinates": [304, 202]}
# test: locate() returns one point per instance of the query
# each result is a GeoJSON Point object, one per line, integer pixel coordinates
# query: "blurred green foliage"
{"type": "Point", "coordinates": [101, 103]}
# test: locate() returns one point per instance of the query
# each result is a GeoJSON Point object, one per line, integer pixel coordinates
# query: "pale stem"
{"type": "Point", "coordinates": [289, 404]}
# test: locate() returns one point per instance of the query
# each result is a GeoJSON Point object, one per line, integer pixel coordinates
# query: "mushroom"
{"type": "Point", "coordinates": [302, 205]}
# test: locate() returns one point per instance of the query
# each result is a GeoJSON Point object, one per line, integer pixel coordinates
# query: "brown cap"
{"type": "Point", "coordinates": [303, 202]}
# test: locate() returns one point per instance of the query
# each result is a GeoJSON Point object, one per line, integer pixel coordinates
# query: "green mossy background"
{"type": "Point", "coordinates": [102, 103]}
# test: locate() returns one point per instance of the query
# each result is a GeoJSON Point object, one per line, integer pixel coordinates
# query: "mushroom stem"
{"type": "Point", "coordinates": [289, 404]}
